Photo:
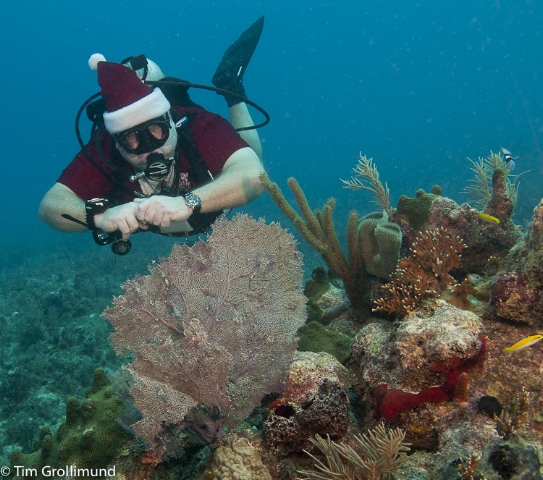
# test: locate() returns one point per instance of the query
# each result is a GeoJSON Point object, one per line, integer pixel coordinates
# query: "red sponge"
{"type": "Point", "coordinates": [394, 401]}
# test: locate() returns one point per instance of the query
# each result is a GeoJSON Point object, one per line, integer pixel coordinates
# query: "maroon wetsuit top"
{"type": "Point", "coordinates": [213, 136]}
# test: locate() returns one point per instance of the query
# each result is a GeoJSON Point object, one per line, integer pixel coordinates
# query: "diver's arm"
{"type": "Point", "coordinates": [238, 183]}
{"type": "Point", "coordinates": [62, 200]}
{"type": "Point", "coordinates": [239, 118]}
{"type": "Point", "coordinates": [58, 200]}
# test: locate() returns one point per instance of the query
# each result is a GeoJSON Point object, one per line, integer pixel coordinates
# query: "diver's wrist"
{"type": "Point", "coordinates": [93, 208]}
{"type": "Point", "coordinates": [194, 202]}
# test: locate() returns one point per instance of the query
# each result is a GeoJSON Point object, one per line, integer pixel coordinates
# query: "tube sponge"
{"type": "Point", "coordinates": [379, 241]}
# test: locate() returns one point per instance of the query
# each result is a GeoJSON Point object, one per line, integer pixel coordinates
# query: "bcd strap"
{"type": "Point", "coordinates": [198, 172]}
{"type": "Point", "coordinates": [176, 91]}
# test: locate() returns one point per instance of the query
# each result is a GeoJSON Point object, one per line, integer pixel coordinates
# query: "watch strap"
{"type": "Point", "coordinates": [93, 207]}
{"type": "Point", "coordinates": [193, 201]}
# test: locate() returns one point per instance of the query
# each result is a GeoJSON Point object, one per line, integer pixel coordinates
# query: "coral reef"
{"type": "Point", "coordinates": [90, 437]}
{"type": "Point", "coordinates": [417, 210]}
{"type": "Point", "coordinates": [376, 455]}
{"type": "Point", "coordinates": [425, 353]}
{"type": "Point", "coordinates": [516, 293]}
{"type": "Point", "coordinates": [235, 459]}
{"type": "Point", "coordinates": [315, 401]}
{"type": "Point", "coordinates": [438, 372]}
{"type": "Point", "coordinates": [317, 228]}
{"type": "Point", "coordinates": [423, 274]}
{"type": "Point", "coordinates": [486, 171]}
{"type": "Point", "coordinates": [483, 239]}
{"type": "Point", "coordinates": [204, 332]}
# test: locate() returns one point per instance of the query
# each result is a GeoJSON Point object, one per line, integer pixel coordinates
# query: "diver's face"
{"type": "Point", "coordinates": [139, 161]}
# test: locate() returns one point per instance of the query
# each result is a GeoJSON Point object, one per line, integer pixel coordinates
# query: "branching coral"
{"type": "Point", "coordinates": [423, 274]}
{"type": "Point", "coordinates": [367, 178]}
{"type": "Point", "coordinates": [318, 230]}
{"type": "Point", "coordinates": [377, 456]}
{"type": "Point", "coordinates": [467, 468]}
{"type": "Point", "coordinates": [480, 189]}
{"type": "Point", "coordinates": [513, 415]}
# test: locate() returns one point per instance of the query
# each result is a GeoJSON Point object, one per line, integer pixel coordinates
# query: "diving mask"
{"type": "Point", "coordinates": [145, 137]}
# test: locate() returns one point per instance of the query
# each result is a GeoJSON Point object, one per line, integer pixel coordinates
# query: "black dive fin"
{"type": "Point", "coordinates": [229, 73]}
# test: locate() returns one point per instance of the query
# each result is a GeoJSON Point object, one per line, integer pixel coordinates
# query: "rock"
{"type": "Point", "coordinates": [516, 292]}
{"type": "Point", "coordinates": [421, 350]}
{"type": "Point", "coordinates": [236, 459]}
{"type": "Point", "coordinates": [436, 342]}
{"type": "Point", "coordinates": [483, 239]}
{"type": "Point", "coordinates": [315, 401]}
{"type": "Point", "coordinates": [512, 459]}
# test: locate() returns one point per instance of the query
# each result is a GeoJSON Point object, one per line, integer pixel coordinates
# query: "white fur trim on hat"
{"type": "Point", "coordinates": [94, 59]}
{"type": "Point", "coordinates": [151, 106]}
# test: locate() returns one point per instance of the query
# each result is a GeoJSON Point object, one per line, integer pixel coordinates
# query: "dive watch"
{"type": "Point", "coordinates": [193, 201]}
{"type": "Point", "coordinates": [95, 206]}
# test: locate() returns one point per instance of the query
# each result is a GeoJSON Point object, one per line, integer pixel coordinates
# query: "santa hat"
{"type": "Point", "coordinates": [129, 101]}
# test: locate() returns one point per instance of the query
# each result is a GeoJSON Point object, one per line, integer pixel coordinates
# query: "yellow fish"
{"type": "Point", "coordinates": [489, 218]}
{"type": "Point", "coordinates": [525, 342]}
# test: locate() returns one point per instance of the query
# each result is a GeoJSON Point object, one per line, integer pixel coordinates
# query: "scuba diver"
{"type": "Point", "coordinates": [156, 160]}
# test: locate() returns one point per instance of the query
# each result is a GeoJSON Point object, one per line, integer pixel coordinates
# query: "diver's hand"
{"type": "Point", "coordinates": [162, 211]}
{"type": "Point", "coordinates": [121, 218]}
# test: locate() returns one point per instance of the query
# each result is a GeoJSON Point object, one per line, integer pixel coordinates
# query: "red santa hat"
{"type": "Point", "coordinates": [129, 101]}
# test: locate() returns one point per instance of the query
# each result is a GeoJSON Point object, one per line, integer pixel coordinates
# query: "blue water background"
{"type": "Point", "coordinates": [417, 85]}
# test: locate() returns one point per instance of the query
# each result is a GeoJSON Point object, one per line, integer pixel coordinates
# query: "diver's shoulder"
{"type": "Point", "coordinates": [200, 115]}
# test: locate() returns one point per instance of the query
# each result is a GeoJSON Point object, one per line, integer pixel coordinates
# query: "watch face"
{"type": "Point", "coordinates": [98, 202]}
{"type": "Point", "coordinates": [193, 200]}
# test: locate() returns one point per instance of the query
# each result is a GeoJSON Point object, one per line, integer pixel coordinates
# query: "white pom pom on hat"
{"type": "Point", "coordinates": [94, 59]}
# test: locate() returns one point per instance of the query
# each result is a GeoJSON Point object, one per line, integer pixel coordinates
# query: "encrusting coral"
{"type": "Point", "coordinates": [89, 439]}
{"type": "Point", "coordinates": [235, 459]}
{"type": "Point", "coordinates": [423, 274]}
{"type": "Point", "coordinates": [315, 401]}
{"type": "Point", "coordinates": [417, 210]}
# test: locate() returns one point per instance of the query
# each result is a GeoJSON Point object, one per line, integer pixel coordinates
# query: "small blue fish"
{"type": "Point", "coordinates": [509, 159]}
